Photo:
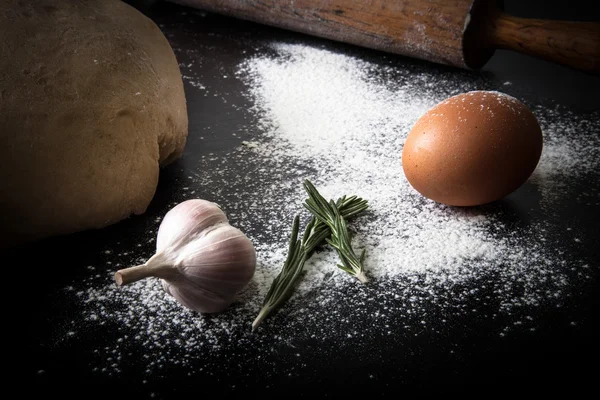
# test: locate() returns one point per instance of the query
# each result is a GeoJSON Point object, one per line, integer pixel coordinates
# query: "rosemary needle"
{"type": "Point", "coordinates": [315, 233]}
{"type": "Point", "coordinates": [329, 213]}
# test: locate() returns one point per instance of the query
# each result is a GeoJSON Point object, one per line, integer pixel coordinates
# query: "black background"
{"type": "Point", "coordinates": [551, 361]}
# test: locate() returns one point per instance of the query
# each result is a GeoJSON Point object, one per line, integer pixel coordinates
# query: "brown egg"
{"type": "Point", "coordinates": [472, 149]}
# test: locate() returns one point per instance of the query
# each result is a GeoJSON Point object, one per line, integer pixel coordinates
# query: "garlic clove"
{"type": "Point", "coordinates": [226, 250]}
{"type": "Point", "coordinates": [187, 220]}
{"type": "Point", "coordinates": [221, 262]}
{"type": "Point", "coordinates": [197, 299]}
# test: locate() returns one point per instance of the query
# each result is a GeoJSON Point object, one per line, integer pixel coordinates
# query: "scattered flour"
{"type": "Point", "coordinates": [341, 121]}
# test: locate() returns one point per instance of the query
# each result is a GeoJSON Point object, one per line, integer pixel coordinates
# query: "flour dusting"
{"type": "Point", "coordinates": [341, 121]}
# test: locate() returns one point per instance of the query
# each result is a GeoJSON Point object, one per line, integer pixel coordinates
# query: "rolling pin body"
{"type": "Point", "coordinates": [460, 33]}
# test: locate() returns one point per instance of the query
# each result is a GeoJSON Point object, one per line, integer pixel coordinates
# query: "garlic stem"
{"type": "Point", "coordinates": [157, 266]}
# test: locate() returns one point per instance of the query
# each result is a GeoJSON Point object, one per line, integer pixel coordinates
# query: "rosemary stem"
{"type": "Point", "coordinates": [362, 277]}
{"type": "Point", "coordinates": [261, 316]}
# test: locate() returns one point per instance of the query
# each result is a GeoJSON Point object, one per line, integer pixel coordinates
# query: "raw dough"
{"type": "Point", "coordinates": [91, 105]}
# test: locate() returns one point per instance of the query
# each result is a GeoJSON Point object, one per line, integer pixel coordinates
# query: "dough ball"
{"type": "Point", "coordinates": [91, 105]}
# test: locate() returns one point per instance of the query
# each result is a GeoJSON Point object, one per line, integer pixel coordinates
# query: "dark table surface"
{"type": "Point", "coordinates": [557, 356]}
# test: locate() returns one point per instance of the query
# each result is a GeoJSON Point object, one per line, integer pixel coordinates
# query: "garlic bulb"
{"type": "Point", "coordinates": [203, 261]}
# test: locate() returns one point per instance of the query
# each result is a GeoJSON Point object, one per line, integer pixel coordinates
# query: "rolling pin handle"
{"type": "Point", "coordinates": [571, 43]}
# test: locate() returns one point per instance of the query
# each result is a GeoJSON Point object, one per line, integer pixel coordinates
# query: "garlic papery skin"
{"type": "Point", "coordinates": [202, 260]}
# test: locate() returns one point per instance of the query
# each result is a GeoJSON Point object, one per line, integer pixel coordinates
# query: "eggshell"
{"type": "Point", "coordinates": [473, 148]}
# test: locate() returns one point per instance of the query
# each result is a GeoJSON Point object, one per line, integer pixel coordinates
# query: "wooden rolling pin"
{"type": "Point", "coordinates": [461, 33]}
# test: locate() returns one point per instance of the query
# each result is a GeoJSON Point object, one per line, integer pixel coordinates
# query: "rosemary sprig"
{"type": "Point", "coordinates": [315, 233]}
{"type": "Point", "coordinates": [328, 213]}
{"type": "Point", "coordinates": [281, 288]}
{"type": "Point", "coordinates": [318, 231]}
